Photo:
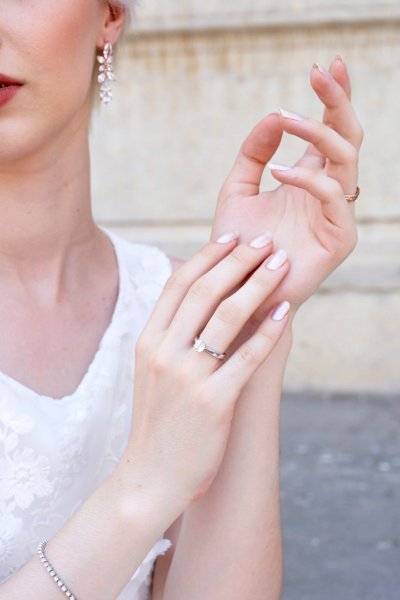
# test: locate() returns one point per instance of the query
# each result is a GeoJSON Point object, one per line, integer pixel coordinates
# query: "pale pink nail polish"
{"type": "Point", "coordinates": [290, 115]}
{"type": "Point", "coordinates": [225, 238]}
{"type": "Point", "coordinates": [276, 261]}
{"type": "Point", "coordinates": [276, 167]}
{"type": "Point", "coordinates": [281, 311]}
{"type": "Point", "coordinates": [261, 240]}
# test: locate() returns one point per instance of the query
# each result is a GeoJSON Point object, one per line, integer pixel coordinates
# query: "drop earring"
{"type": "Point", "coordinates": [106, 73]}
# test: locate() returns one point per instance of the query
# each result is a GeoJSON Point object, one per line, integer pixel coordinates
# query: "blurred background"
{"type": "Point", "coordinates": [194, 76]}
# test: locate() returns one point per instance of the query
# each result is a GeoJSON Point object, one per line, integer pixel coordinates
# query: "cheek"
{"type": "Point", "coordinates": [56, 44]}
{"type": "Point", "coordinates": [64, 57]}
{"type": "Point", "coordinates": [51, 46]}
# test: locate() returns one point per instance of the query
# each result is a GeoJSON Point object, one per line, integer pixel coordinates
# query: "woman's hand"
{"type": "Point", "coordinates": [308, 214]}
{"type": "Point", "coordinates": [183, 400]}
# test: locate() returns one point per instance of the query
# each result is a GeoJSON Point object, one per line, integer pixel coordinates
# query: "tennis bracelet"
{"type": "Point", "coordinates": [53, 574]}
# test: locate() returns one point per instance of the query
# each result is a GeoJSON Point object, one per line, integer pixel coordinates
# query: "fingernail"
{"type": "Point", "coordinates": [276, 167]}
{"type": "Point", "coordinates": [227, 237]}
{"type": "Point", "coordinates": [281, 311]}
{"type": "Point", "coordinates": [261, 240]}
{"type": "Point", "coordinates": [322, 70]}
{"type": "Point", "coordinates": [275, 261]}
{"type": "Point", "coordinates": [339, 57]}
{"type": "Point", "coordinates": [290, 115]}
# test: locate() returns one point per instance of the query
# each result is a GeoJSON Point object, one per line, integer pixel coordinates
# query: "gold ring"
{"type": "Point", "coordinates": [353, 197]}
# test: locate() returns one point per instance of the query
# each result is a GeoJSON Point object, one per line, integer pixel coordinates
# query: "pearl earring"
{"type": "Point", "coordinates": [106, 73]}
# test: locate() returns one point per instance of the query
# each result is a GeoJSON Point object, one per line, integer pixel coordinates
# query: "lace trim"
{"type": "Point", "coordinates": [143, 272]}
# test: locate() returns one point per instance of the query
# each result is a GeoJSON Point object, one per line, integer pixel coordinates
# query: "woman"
{"type": "Point", "coordinates": [87, 327]}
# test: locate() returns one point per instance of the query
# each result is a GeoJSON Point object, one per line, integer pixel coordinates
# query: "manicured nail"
{"type": "Point", "coordinates": [281, 311]}
{"type": "Point", "coordinates": [227, 237]}
{"type": "Point", "coordinates": [322, 70]}
{"type": "Point", "coordinates": [261, 240]}
{"type": "Point", "coordinates": [290, 115]}
{"type": "Point", "coordinates": [275, 261]}
{"type": "Point", "coordinates": [276, 167]}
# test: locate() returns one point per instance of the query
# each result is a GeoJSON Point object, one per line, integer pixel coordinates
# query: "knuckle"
{"type": "Point", "coordinates": [177, 281]}
{"type": "Point", "coordinates": [238, 259]}
{"type": "Point", "coordinates": [257, 318]}
{"type": "Point", "coordinates": [335, 189]}
{"type": "Point", "coordinates": [359, 133]}
{"type": "Point", "coordinates": [297, 179]}
{"type": "Point", "coordinates": [202, 395]}
{"type": "Point", "coordinates": [319, 136]}
{"type": "Point", "coordinates": [351, 154]}
{"type": "Point", "coordinates": [266, 280]}
{"type": "Point", "coordinates": [211, 251]}
{"type": "Point", "coordinates": [229, 312]}
{"type": "Point", "coordinates": [352, 238]}
{"type": "Point", "coordinates": [202, 288]}
{"type": "Point", "coordinates": [210, 400]}
{"type": "Point", "coordinates": [248, 354]}
{"type": "Point", "coordinates": [158, 362]}
{"type": "Point", "coordinates": [269, 337]}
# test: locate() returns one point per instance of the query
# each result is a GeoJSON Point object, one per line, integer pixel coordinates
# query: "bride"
{"type": "Point", "coordinates": [139, 394]}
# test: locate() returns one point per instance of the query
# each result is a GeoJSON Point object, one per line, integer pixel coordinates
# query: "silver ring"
{"type": "Point", "coordinates": [201, 346]}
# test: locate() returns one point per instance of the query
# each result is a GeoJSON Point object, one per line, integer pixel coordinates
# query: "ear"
{"type": "Point", "coordinates": [113, 24]}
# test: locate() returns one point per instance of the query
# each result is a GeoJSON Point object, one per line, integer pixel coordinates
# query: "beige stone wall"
{"type": "Point", "coordinates": [193, 78]}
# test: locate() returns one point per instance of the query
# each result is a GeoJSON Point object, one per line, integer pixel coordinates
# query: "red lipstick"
{"type": "Point", "coordinates": [8, 88]}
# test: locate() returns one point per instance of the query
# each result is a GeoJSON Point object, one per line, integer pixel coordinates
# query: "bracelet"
{"type": "Point", "coordinates": [47, 565]}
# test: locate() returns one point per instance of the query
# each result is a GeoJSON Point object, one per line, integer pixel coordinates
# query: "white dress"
{"type": "Point", "coordinates": [55, 452]}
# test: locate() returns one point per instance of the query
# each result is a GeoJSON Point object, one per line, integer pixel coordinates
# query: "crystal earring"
{"type": "Point", "coordinates": [106, 73]}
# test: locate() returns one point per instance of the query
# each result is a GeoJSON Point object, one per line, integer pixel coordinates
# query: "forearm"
{"type": "Point", "coordinates": [101, 546]}
{"type": "Point", "coordinates": [230, 542]}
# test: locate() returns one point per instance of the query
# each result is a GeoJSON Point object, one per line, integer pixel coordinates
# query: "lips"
{"type": "Point", "coordinates": [6, 81]}
{"type": "Point", "coordinates": [9, 88]}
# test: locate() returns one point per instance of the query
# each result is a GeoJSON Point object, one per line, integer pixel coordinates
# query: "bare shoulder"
{"type": "Point", "coordinates": [176, 262]}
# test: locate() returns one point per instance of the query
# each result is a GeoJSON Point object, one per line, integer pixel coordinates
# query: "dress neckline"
{"type": "Point", "coordinates": [105, 339]}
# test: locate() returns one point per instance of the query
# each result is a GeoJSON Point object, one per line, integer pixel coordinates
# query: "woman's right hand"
{"type": "Point", "coordinates": [184, 401]}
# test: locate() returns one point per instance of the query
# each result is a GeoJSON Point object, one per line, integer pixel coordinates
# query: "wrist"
{"type": "Point", "coordinates": [138, 489]}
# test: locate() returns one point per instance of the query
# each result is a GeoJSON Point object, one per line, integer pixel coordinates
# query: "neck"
{"type": "Point", "coordinates": [45, 209]}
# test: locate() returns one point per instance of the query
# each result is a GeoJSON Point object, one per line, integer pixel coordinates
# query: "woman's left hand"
{"type": "Point", "coordinates": [308, 214]}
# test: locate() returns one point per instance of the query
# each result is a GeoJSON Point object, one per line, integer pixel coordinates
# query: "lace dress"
{"type": "Point", "coordinates": [54, 452]}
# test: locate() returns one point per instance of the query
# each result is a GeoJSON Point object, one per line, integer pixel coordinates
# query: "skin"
{"type": "Point", "coordinates": [57, 268]}
{"type": "Point", "coordinates": [318, 236]}
{"type": "Point", "coordinates": [308, 214]}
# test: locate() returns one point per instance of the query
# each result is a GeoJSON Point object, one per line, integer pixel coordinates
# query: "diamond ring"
{"type": "Point", "coordinates": [201, 346]}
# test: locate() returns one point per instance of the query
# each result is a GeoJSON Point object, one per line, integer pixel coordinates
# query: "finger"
{"type": "Point", "coordinates": [256, 150]}
{"type": "Point", "coordinates": [183, 278]}
{"type": "Point", "coordinates": [239, 367]}
{"type": "Point", "coordinates": [208, 291]}
{"type": "Point", "coordinates": [339, 112]}
{"type": "Point", "coordinates": [344, 122]}
{"type": "Point", "coordinates": [342, 155]}
{"type": "Point", "coordinates": [233, 313]}
{"type": "Point", "coordinates": [333, 203]}
{"type": "Point", "coordinates": [339, 72]}
{"type": "Point", "coordinates": [312, 158]}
